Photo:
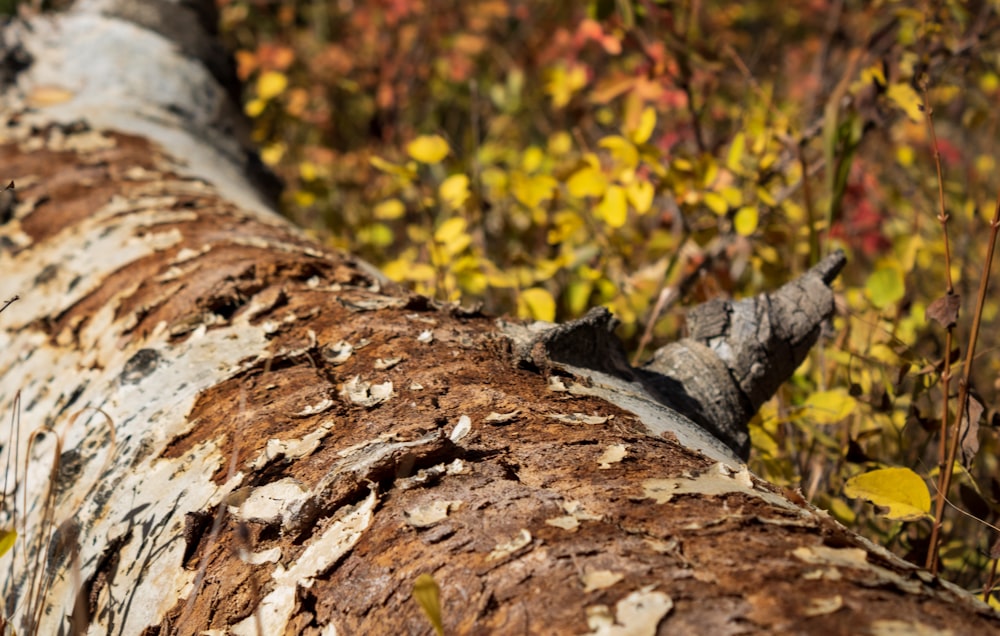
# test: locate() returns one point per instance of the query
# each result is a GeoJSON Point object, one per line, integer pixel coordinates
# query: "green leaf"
{"type": "Point", "coordinates": [886, 286]}
{"type": "Point", "coordinates": [427, 594]}
{"type": "Point", "coordinates": [900, 490]}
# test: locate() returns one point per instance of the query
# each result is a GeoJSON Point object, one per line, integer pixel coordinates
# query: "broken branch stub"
{"type": "Point", "coordinates": [737, 354]}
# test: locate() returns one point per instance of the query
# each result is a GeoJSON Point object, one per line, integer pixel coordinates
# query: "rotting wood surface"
{"type": "Point", "coordinates": [297, 441]}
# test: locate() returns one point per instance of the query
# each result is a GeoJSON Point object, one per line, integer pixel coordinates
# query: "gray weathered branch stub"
{"type": "Point", "coordinates": [734, 359]}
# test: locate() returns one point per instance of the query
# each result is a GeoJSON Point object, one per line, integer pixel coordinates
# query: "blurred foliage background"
{"type": "Point", "coordinates": [541, 158]}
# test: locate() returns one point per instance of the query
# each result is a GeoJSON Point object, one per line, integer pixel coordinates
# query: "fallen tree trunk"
{"type": "Point", "coordinates": [260, 436]}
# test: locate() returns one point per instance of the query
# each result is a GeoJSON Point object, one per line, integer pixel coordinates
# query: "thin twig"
{"type": "Point", "coordinates": [932, 551]}
{"type": "Point", "coordinates": [10, 301]}
{"type": "Point", "coordinates": [966, 380]}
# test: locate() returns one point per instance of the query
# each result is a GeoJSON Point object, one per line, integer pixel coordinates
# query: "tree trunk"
{"type": "Point", "coordinates": [256, 435]}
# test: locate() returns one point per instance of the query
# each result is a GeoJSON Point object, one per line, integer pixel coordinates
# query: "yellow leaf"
{"type": "Point", "coordinates": [907, 99]}
{"type": "Point", "coordinates": [427, 594]}
{"type": "Point", "coordinates": [988, 83]}
{"type": "Point", "coordinates": [389, 209]}
{"type": "Point", "coordinates": [270, 84]}
{"type": "Point", "coordinates": [472, 282]}
{"type": "Point", "coordinates": [536, 303]}
{"type": "Point", "coordinates": [560, 143]}
{"type": "Point", "coordinates": [429, 149]}
{"type": "Point", "coordinates": [623, 152]}
{"type": "Point", "coordinates": [421, 272]}
{"type": "Point", "coordinates": [766, 197]}
{"type": "Point", "coordinates": [454, 191]}
{"type": "Point", "coordinates": [254, 107]}
{"type": "Point", "coordinates": [500, 280]}
{"type": "Point", "coordinates": [711, 173]}
{"type": "Point", "coordinates": [647, 123]}
{"type": "Point", "coordinates": [562, 83]}
{"type": "Point", "coordinates": [745, 221]}
{"type": "Point", "coordinates": [733, 196]}
{"type": "Point", "coordinates": [7, 538]}
{"type": "Point", "coordinates": [564, 224]}
{"type": "Point", "coordinates": [716, 203]}
{"type": "Point", "coordinates": [587, 182]}
{"type": "Point", "coordinates": [841, 511]}
{"type": "Point", "coordinates": [873, 73]}
{"type": "Point", "coordinates": [376, 234]}
{"type": "Point", "coordinates": [546, 268]}
{"type": "Point", "coordinates": [304, 199]}
{"type": "Point", "coordinates": [390, 168]}
{"type": "Point", "coordinates": [994, 602]}
{"type": "Point", "coordinates": [828, 407]}
{"type": "Point", "coordinates": [532, 190]}
{"type": "Point", "coordinates": [452, 235]}
{"type": "Point", "coordinates": [734, 160]}
{"type": "Point", "coordinates": [905, 155]}
{"type": "Point", "coordinates": [613, 208]}
{"type": "Point", "coordinates": [396, 270]}
{"type": "Point", "coordinates": [532, 159]}
{"type": "Point", "coordinates": [272, 154]}
{"type": "Point", "coordinates": [307, 170]}
{"type": "Point", "coordinates": [985, 164]}
{"type": "Point", "coordinates": [578, 295]}
{"type": "Point", "coordinates": [900, 490]}
{"type": "Point", "coordinates": [884, 353]}
{"type": "Point", "coordinates": [640, 195]}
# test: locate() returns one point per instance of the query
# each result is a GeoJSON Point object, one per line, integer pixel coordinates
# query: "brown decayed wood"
{"type": "Point", "coordinates": [732, 562]}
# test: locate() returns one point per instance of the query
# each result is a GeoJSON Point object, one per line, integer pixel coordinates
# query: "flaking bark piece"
{"type": "Point", "coordinates": [739, 352]}
{"type": "Point", "coordinates": [588, 342]}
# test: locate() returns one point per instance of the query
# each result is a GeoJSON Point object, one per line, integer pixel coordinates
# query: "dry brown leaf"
{"type": "Point", "coordinates": [944, 310]}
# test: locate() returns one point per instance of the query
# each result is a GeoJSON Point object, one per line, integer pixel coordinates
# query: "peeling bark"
{"type": "Point", "coordinates": [263, 436]}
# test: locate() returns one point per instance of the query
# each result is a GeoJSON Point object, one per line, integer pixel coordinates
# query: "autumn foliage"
{"type": "Point", "coordinates": [544, 158]}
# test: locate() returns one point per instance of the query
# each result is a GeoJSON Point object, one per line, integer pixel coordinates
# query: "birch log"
{"type": "Point", "coordinates": [260, 436]}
